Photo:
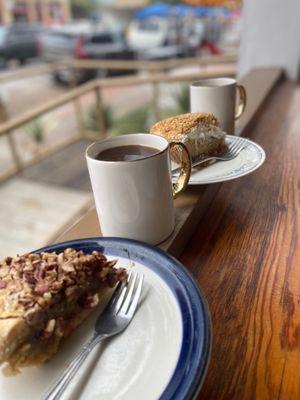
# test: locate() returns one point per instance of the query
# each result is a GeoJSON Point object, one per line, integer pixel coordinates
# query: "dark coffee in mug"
{"type": "Point", "coordinates": [126, 153]}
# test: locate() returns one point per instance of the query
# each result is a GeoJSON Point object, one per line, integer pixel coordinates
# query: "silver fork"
{"type": "Point", "coordinates": [115, 318]}
{"type": "Point", "coordinates": [234, 150]}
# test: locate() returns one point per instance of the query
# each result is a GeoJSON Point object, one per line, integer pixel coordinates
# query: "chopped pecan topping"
{"type": "Point", "coordinates": [34, 257]}
{"type": "Point", "coordinates": [68, 267]}
{"type": "Point", "coordinates": [30, 279]}
{"type": "Point", "coordinates": [60, 258]}
{"type": "Point", "coordinates": [54, 278]}
{"type": "Point", "coordinates": [3, 284]}
{"type": "Point", "coordinates": [41, 288]}
{"type": "Point", "coordinates": [8, 260]}
{"type": "Point", "coordinates": [36, 262]}
{"type": "Point", "coordinates": [51, 266]}
{"type": "Point", "coordinates": [26, 301]}
{"type": "Point", "coordinates": [30, 267]}
{"type": "Point", "coordinates": [48, 331]}
{"type": "Point", "coordinates": [49, 294]}
{"type": "Point", "coordinates": [91, 301]}
{"type": "Point", "coordinates": [41, 273]}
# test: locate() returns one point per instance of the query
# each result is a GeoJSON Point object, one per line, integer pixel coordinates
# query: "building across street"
{"type": "Point", "coordinates": [45, 11]}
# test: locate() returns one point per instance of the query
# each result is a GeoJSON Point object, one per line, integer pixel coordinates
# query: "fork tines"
{"type": "Point", "coordinates": [236, 146]}
{"type": "Point", "coordinates": [126, 296]}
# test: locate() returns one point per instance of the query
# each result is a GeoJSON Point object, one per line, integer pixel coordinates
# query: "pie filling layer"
{"type": "Point", "coordinates": [203, 141]}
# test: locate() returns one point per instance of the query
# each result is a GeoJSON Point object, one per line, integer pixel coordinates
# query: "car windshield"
{"type": "Point", "coordinates": [148, 25]}
{"type": "Point", "coordinates": [102, 39]}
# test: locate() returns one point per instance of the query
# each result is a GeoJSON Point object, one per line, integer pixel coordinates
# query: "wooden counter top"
{"type": "Point", "coordinates": [245, 255]}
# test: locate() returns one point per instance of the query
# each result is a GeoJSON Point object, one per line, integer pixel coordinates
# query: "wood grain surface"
{"type": "Point", "coordinates": [245, 255]}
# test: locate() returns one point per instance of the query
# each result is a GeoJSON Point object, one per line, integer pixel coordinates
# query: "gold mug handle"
{"type": "Point", "coordinates": [242, 101]}
{"type": "Point", "coordinates": [185, 168]}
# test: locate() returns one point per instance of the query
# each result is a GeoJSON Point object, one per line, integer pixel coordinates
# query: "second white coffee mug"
{"type": "Point", "coordinates": [134, 199]}
{"type": "Point", "coordinates": [218, 96]}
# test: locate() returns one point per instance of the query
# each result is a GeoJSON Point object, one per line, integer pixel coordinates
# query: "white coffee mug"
{"type": "Point", "coordinates": [134, 199]}
{"type": "Point", "coordinates": [218, 96]}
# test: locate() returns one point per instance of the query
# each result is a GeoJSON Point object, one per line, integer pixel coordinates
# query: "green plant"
{"type": "Point", "coordinates": [36, 129]}
{"type": "Point", "coordinates": [91, 121]}
{"type": "Point", "coordinates": [182, 100]}
{"type": "Point", "coordinates": [133, 122]}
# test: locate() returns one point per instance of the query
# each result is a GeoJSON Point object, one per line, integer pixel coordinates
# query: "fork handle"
{"type": "Point", "coordinates": [59, 386]}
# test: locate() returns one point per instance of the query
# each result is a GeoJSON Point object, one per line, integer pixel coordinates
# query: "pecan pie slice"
{"type": "Point", "coordinates": [43, 297]}
{"type": "Point", "coordinates": [200, 132]}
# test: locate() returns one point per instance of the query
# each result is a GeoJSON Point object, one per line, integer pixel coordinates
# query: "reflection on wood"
{"type": "Point", "coordinates": [245, 255]}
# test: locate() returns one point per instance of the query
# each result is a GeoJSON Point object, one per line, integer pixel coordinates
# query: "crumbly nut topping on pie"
{"type": "Point", "coordinates": [173, 127]}
{"type": "Point", "coordinates": [34, 281]}
{"type": "Point", "coordinates": [44, 297]}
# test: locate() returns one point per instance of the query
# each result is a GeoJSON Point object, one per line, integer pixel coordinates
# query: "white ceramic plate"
{"type": "Point", "coordinates": [249, 159]}
{"type": "Point", "coordinates": [150, 360]}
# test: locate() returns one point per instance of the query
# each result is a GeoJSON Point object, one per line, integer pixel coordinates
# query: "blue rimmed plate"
{"type": "Point", "coordinates": [164, 352]}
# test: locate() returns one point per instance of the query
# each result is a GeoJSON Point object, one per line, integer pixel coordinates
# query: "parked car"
{"type": "Point", "coordinates": [149, 33]}
{"type": "Point", "coordinates": [83, 41]}
{"type": "Point", "coordinates": [162, 38]}
{"type": "Point", "coordinates": [19, 41]}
